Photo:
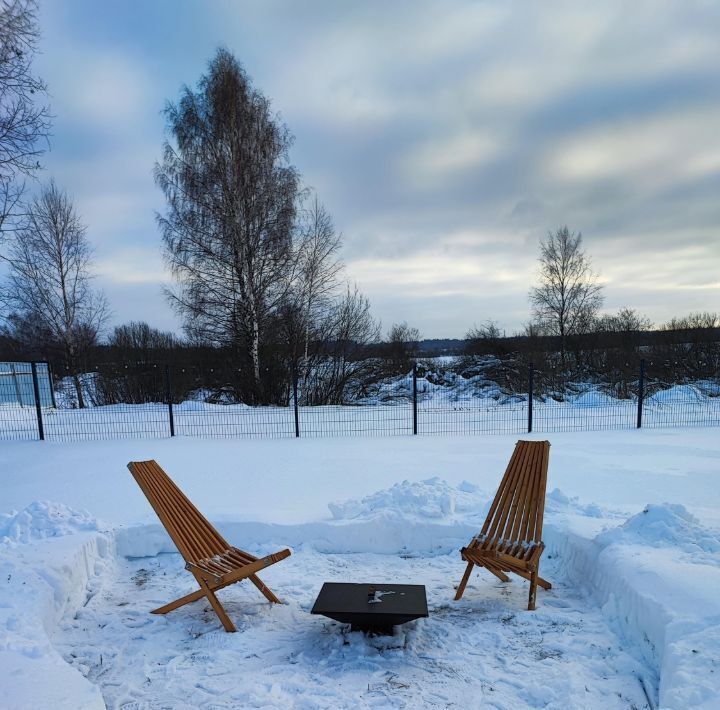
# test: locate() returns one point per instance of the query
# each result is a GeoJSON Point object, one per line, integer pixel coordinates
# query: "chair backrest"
{"type": "Point", "coordinates": [517, 511]}
{"type": "Point", "coordinates": [191, 532]}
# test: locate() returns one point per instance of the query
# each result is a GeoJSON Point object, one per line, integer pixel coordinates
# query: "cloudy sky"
{"type": "Point", "coordinates": [446, 138]}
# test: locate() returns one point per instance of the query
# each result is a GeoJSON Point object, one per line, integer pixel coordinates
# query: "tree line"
{"type": "Point", "coordinates": [259, 283]}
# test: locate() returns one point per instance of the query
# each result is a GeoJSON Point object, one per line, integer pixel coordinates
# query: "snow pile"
{"type": "Point", "coordinates": [43, 519]}
{"type": "Point", "coordinates": [556, 501]}
{"type": "Point", "coordinates": [677, 393]}
{"type": "Point", "coordinates": [664, 525]}
{"type": "Point", "coordinates": [432, 498]}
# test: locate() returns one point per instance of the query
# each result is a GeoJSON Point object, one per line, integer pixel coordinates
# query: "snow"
{"type": "Point", "coordinates": [632, 533]}
{"type": "Point", "coordinates": [432, 498]}
{"type": "Point", "coordinates": [668, 525]}
{"type": "Point", "coordinates": [43, 519]}
{"type": "Point", "coordinates": [484, 649]}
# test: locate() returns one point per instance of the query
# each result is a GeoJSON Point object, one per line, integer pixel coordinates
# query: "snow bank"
{"type": "Point", "coordinates": [42, 519]}
{"type": "Point", "coordinates": [665, 525]}
{"type": "Point", "coordinates": [432, 498]}
{"type": "Point", "coordinates": [656, 576]}
{"type": "Point", "coordinates": [556, 501]}
{"type": "Point", "coordinates": [39, 583]}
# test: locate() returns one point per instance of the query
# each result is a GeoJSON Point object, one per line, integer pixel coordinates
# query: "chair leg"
{"type": "Point", "coordinates": [497, 572]}
{"type": "Point", "coordinates": [464, 581]}
{"type": "Point", "coordinates": [526, 575]}
{"type": "Point", "coordinates": [217, 606]}
{"type": "Point", "coordinates": [266, 591]}
{"type": "Point", "coordinates": [533, 590]}
{"type": "Point", "coordinates": [187, 599]}
{"type": "Point", "coordinates": [544, 583]}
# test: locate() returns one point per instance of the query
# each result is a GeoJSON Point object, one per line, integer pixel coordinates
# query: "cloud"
{"type": "Point", "coordinates": [654, 151]}
{"type": "Point", "coordinates": [446, 139]}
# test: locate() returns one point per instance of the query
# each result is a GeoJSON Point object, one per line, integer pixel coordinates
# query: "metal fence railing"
{"type": "Point", "coordinates": [417, 405]}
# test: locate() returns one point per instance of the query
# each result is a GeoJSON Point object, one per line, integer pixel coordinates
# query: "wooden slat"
{"type": "Point", "coordinates": [505, 495]}
{"type": "Point", "coordinates": [527, 493]}
{"type": "Point", "coordinates": [501, 490]}
{"type": "Point", "coordinates": [518, 508]}
{"type": "Point", "coordinates": [511, 494]}
{"type": "Point", "coordinates": [190, 530]}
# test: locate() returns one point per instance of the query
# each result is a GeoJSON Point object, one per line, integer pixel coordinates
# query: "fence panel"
{"type": "Point", "coordinates": [448, 409]}
{"type": "Point", "coordinates": [233, 420]}
{"type": "Point", "coordinates": [146, 400]}
{"type": "Point", "coordinates": [388, 413]}
{"type": "Point", "coordinates": [117, 403]}
{"type": "Point", "coordinates": [589, 411]}
{"type": "Point", "coordinates": [668, 405]}
{"type": "Point", "coordinates": [18, 416]}
{"type": "Point", "coordinates": [207, 403]}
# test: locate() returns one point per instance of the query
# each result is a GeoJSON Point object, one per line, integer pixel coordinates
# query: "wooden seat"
{"type": "Point", "coordinates": [511, 538]}
{"type": "Point", "coordinates": [210, 559]}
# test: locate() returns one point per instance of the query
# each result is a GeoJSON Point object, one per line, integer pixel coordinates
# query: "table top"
{"type": "Point", "coordinates": [385, 603]}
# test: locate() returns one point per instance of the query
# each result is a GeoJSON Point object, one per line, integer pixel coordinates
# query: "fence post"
{"type": "Point", "coordinates": [415, 411]}
{"type": "Point", "coordinates": [51, 382]}
{"type": "Point", "coordinates": [18, 392]}
{"type": "Point", "coordinates": [168, 397]}
{"type": "Point", "coordinates": [38, 408]}
{"type": "Point", "coordinates": [641, 393]}
{"type": "Point", "coordinates": [530, 396]}
{"type": "Point", "coordinates": [295, 405]}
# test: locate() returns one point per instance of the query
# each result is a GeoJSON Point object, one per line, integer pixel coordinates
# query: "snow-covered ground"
{"type": "Point", "coordinates": [633, 536]}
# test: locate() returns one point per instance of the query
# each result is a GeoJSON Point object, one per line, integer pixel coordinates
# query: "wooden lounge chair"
{"type": "Point", "coordinates": [213, 562]}
{"type": "Point", "coordinates": [511, 538]}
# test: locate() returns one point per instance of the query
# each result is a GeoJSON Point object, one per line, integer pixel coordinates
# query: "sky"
{"type": "Point", "coordinates": [446, 139]}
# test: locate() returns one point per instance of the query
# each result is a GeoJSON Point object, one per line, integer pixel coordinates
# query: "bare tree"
{"type": "Point", "coordinates": [402, 346]}
{"type": "Point", "coordinates": [231, 202]}
{"type": "Point", "coordinates": [341, 368]}
{"type": "Point", "coordinates": [24, 124]}
{"type": "Point", "coordinates": [626, 320]}
{"type": "Point", "coordinates": [568, 296]}
{"type": "Point", "coordinates": [318, 273]}
{"type": "Point", "coordinates": [139, 336]}
{"type": "Point", "coordinates": [483, 339]}
{"type": "Point", "coordinates": [50, 282]}
{"type": "Point", "coordinates": [694, 343]}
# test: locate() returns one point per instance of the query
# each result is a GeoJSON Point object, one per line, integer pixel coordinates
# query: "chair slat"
{"type": "Point", "coordinates": [518, 508]}
{"type": "Point", "coordinates": [195, 537]}
{"type": "Point", "coordinates": [506, 493]}
{"type": "Point", "coordinates": [521, 523]}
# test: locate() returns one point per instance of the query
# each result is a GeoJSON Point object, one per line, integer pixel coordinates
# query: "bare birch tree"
{"type": "Point", "coordinates": [24, 117]}
{"type": "Point", "coordinates": [568, 296]}
{"type": "Point", "coordinates": [231, 201]}
{"type": "Point", "coordinates": [50, 282]}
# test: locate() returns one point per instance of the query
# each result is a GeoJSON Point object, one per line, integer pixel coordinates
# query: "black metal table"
{"type": "Point", "coordinates": [371, 607]}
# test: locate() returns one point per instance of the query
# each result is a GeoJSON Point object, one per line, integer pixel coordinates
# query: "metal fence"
{"type": "Point", "coordinates": [415, 406]}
